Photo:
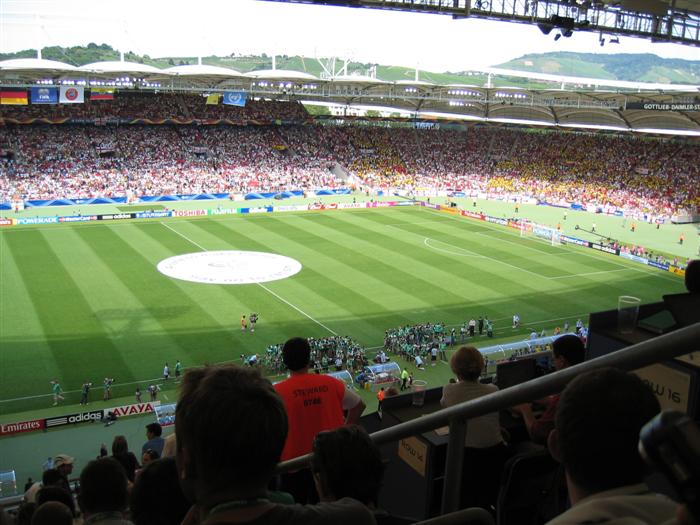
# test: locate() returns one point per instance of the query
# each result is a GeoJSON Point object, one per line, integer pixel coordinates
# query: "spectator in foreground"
{"type": "Point", "coordinates": [103, 493]}
{"type": "Point", "coordinates": [319, 408]}
{"type": "Point", "coordinates": [157, 498]}
{"type": "Point", "coordinates": [485, 451]}
{"type": "Point", "coordinates": [347, 464]}
{"type": "Point", "coordinates": [567, 350]}
{"type": "Point", "coordinates": [226, 473]}
{"type": "Point", "coordinates": [120, 452]}
{"type": "Point", "coordinates": [58, 494]}
{"type": "Point", "coordinates": [154, 433]}
{"type": "Point", "coordinates": [49, 478]}
{"type": "Point", "coordinates": [52, 513]}
{"type": "Point", "coordinates": [599, 417]}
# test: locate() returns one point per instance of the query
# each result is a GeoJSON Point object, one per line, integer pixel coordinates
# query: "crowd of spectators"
{"type": "Point", "coordinates": [642, 177]}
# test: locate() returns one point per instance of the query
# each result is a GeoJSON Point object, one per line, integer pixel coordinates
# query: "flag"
{"type": "Point", "coordinates": [44, 95]}
{"type": "Point", "coordinates": [101, 93]}
{"type": "Point", "coordinates": [235, 98]}
{"type": "Point", "coordinates": [213, 99]}
{"type": "Point", "coordinates": [72, 95]}
{"type": "Point", "coordinates": [13, 98]}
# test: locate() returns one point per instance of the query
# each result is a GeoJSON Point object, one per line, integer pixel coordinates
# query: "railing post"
{"type": "Point", "coordinates": [452, 483]}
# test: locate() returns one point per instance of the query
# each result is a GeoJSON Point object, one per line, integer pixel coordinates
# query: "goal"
{"type": "Point", "coordinates": [531, 229]}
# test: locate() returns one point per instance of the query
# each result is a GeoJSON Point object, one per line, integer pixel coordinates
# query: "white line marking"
{"type": "Point", "coordinates": [467, 254]}
{"type": "Point", "coordinates": [184, 237]}
{"type": "Point", "coordinates": [481, 256]}
{"type": "Point", "coordinates": [591, 273]}
{"type": "Point", "coordinates": [302, 312]}
{"type": "Point", "coordinates": [520, 245]}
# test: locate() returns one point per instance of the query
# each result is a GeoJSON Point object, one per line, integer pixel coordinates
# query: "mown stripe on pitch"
{"type": "Point", "coordinates": [467, 271]}
{"type": "Point", "coordinates": [315, 281]}
{"type": "Point", "coordinates": [165, 301]}
{"type": "Point", "coordinates": [71, 328]}
{"type": "Point", "coordinates": [514, 287]}
{"type": "Point", "coordinates": [124, 317]}
{"type": "Point", "coordinates": [367, 254]}
{"type": "Point", "coordinates": [595, 291]}
{"type": "Point", "coordinates": [225, 302]}
{"type": "Point", "coordinates": [25, 354]}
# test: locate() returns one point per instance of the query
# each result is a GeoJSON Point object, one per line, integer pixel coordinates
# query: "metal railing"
{"type": "Point", "coordinates": [668, 346]}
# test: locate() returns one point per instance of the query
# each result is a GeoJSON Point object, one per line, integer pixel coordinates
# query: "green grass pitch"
{"type": "Point", "coordinates": [82, 302]}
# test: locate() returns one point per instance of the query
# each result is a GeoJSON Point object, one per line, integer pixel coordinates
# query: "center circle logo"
{"type": "Point", "coordinates": [229, 267]}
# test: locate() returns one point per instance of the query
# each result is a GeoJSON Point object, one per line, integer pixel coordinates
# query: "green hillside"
{"type": "Point", "coordinates": [630, 67]}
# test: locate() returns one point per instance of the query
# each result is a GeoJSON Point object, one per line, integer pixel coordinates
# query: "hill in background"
{"type": "Point", "coordinates": [631, 67]}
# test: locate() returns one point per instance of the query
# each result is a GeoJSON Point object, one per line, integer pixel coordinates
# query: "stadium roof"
{"type": "Point", "coordinates": [280, 74]}
{"type": "Point", "coordinates": [666, 108]}
{"type": "Point", "coordinates": [203, 70]}
{"type": "Point", "coordinates": [116, 66]}
{"type": "Point", "coordinates": [35, 64]}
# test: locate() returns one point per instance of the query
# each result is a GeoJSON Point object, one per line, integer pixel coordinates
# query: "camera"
{"type": "Point", "coordinates": [671, 444]}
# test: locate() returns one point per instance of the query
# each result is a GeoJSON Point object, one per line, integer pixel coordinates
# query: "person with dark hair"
{"type": "Point", "coordinates": [313, 403]}
{"type": "Point", "coordinates": [52, 513]}
{"type": "Point", "coordinates": [485, 451]}
{"type": "Point", "coordinates": [25, 512]}
{"type": "Point", "coordinates": [692, 276]}
{"type": "Point", "coordinates": [226, 473]}
{"type": "Point", "coordinates": [120, 452]}
{"type": "Point", "coordinates": [103, 492]}
{"type": "Point", "coordinates": [157, 498]}
{"type": "Point", "coordinates": [154, 434]}
{"type": "Point", "coordinates": [567, 350]}
{"type": "Point", "coordinates": [346, 464]}
{"type": "Point", "coordinates": [50, 478]}
{"type": "Point", "coordinates": [599, 417]}
{"type": "Point", "coordinates": [54, 493]}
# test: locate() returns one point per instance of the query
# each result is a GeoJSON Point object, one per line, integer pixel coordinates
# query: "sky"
{"type": "Point", "coordinates": [185, 28]}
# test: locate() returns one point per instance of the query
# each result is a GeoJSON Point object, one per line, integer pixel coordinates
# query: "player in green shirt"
{"type": "Point", "coordinates": [57, 392]}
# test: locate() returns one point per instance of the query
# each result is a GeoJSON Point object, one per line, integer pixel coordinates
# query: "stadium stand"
{"type": "Point", "coordinates": [643, 177]}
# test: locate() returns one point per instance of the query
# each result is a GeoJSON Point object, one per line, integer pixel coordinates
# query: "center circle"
{"type": "Point", "coordinates": [229, 267]}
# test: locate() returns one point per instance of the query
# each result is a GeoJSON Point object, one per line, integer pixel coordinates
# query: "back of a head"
{"type": "Point", "coordinates": [348, 464]}
{"type": "Point", "coordinates": [55, 493]}
{"type": "Point", "coordinates": [51, 477]}
{"type": "Point", "coordinates": [233, 426]}
{"type": "Point", "coordinates": [52, 513]}
{"type": "Point", "coordinates": [599, 417]}
{"type": "Point", "coordinates": [155, 429]}
{"type": "Point", "coordinates": [25, 513]}
{"type": "Point", "coordinates": [692, 276]}
{"type": "Point", "coordinates": [156, 498]}
{"type": "Point", "coordinates": [296, 353]}
{"type": "Point", "coordinates": [569, 347]}
{"type": "Point", "coordinates": [119, 446]}
{"type": "Point", "coordinates": [467, 363]}
{"type": "Point", "coordinates": [103, 486]}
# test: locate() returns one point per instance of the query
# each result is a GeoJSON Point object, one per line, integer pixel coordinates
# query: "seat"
{"type": "Point", "coordinates": [531, 491]}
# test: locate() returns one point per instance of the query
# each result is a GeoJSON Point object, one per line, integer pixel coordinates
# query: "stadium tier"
{"type": "Point", "coordinates": [637, 176]}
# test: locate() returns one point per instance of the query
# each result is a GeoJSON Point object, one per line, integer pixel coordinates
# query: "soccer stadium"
{"type": "Point", "coordinates": [482, 281]}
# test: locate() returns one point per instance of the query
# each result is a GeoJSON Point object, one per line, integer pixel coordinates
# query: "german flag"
{"type": "Point", "coordinates": [14, 98]}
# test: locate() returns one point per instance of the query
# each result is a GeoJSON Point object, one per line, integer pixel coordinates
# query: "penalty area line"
{"type": "Point", "coordinates": [274, 294]}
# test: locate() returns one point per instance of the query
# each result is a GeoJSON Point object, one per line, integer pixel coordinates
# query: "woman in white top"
{"type": "Point", "coordinates": [485, 451]}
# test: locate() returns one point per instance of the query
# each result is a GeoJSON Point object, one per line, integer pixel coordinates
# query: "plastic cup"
{"type": "Point", "coordinates": [627, 312]}
{"type": "Point", "coordinates": [418, 392]}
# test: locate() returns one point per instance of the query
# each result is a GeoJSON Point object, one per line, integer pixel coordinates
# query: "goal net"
{"type": "Point", "coordinates": [531, 229]}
